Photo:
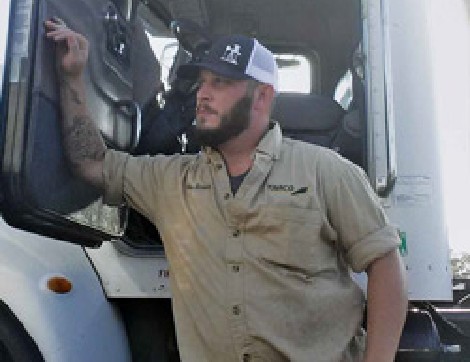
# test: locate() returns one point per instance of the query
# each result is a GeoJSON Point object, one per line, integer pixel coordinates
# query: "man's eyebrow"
{"type": "Point", "coordinates": [215, 77]}
{"type": "Point", "coordinates": [225, 79]}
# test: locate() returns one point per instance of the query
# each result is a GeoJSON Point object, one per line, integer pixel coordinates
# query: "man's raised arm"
{"type": "Point", "coordinates": [83, 143]}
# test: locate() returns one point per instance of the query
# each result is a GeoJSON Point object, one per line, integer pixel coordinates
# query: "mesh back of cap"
{"type": "Point", "coordinates": [262, 66]}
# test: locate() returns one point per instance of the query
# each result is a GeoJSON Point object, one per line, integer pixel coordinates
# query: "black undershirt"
{"type": "Point", "coordinates": [236, 181]}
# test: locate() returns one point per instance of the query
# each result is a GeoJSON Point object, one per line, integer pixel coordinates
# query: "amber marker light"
{"type": "Point", "coordinates": [59, 285]}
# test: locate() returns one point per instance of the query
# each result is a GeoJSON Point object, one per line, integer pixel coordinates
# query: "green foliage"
{"type": "Point", "coordinates": [461, 265]}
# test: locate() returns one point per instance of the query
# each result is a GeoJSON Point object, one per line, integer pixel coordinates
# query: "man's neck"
{"type": "Point", "coordinates": [239, 152]}
{"type": "Point", "coordinates": [238, 156]}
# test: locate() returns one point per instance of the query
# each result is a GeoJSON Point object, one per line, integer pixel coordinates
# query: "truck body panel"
{"type": "Point", "coordinates": [78, 326]}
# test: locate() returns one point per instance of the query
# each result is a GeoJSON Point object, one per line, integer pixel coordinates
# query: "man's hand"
{"type": "Point", "coordinates": [71, 48]}
{"type": "Point", "coordinates": [83, 144]}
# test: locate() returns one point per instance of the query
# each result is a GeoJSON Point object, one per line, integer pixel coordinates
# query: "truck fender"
{"type": "Point", "coordinates": [81, 325]}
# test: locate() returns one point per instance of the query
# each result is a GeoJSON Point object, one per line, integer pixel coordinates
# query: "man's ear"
{"type": "Point", "coordinates": [263, 97]}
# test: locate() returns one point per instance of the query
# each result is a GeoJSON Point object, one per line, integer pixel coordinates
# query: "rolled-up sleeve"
{"type": "Point", "coordinates": [354, 210]}
{"type": "Point", "coordinates": [113, 175]}
{"type": "Point", "coordinates": [139, 181]}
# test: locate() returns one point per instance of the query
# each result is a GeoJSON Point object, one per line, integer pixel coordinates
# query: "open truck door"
{"type": "Point", "coordinates": [39, 193]}
{"type": "Point", "coordinates": [41, 196]}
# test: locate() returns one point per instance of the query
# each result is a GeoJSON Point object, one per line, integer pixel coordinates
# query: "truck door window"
{"type": "Point", "coordinates": [165, 49]}
{"type": "Point", "coordinates": [344, 91]}
{"type": "Point", "coordinates": [4, 11]}
{"type": "Point", "coordinates": [295, 73]}
{"type": "Point", "coordinates": [40, 193]}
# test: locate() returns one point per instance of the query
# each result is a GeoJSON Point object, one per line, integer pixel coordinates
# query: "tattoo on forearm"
{"type": "Point", "coordinates": [71, 92]}
{"type": "Point", "coordinates": [83, 140]}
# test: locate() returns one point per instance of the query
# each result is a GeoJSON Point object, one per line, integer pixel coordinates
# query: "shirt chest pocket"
{"type": "Point", "coordinates": [290, 237]}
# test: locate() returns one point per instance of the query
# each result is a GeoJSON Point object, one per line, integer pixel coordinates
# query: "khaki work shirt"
{"type": "Point", "coordinates": [262, 275]}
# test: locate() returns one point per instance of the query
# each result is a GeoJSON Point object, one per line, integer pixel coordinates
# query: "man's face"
{"type": "Point", "coordinates": [223, 109]}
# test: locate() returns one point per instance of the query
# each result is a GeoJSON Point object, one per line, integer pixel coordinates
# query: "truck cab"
{"type": "Point", "coordinates": [84, 281]}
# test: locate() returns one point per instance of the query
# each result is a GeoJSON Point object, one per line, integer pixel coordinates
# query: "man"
{"type": "Point", "coordinates": [259, 231]}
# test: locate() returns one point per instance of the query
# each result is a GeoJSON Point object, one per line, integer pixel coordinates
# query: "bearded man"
{"type": "Point", "coordinates": [260, 231]}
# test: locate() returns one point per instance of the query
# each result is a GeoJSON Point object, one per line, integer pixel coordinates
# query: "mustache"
{"type": "Point", "coordinates": [205, 108]}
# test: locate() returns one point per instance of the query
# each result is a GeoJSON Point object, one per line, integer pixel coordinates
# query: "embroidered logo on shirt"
{"type": "Point", "coordinates": [288, 188]}
{"type": "Point", "coordinates": [282, 188]}
{"type": "Point", "coordinates": [302, 190]}
{"type": "Point", "coordinates": [198, 186]}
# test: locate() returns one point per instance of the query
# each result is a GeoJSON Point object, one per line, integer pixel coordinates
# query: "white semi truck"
{"type": "Point", "coordinates": [81, 281]}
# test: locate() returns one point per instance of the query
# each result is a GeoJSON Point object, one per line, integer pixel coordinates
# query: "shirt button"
{"type": "Point", "coordinates": [227, 196]}
{"type": "Point", "coordinates": [235, 268]}
{"type": "Point", "coordinates": [218, 166]}
{"type": "Point", "coordinates": [246, 357]}
{"type": "Point", "coordinates": [236, 233]}
{"type": "Point", "coordinates": [236, 310]}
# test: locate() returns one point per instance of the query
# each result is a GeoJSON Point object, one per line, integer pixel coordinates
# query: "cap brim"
{"type": "Point", "coordinates": [191, 70]}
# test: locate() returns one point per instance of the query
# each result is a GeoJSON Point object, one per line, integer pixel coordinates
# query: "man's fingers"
{"type": "Point", "coordinates": [50, 24]}
{"type": "Point", "coordinates": [58, 21]}
{"type": "Point", "coordinates": [54, 33]}
{"type": "Point", "coordinates": [60, 34]}
{"type": "Point", "coordinates": [74, 42]}
{"type": "Point", "coordinates": [58, 31]}
{"type": "Point", "coordinates": [72, 47]}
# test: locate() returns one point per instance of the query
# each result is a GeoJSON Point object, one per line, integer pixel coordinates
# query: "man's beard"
{"type": "Point", "coordinates": [231, 124]}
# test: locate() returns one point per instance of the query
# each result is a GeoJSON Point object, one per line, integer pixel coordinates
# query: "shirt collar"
{"type": "Point", "coordinates": [269, 145]}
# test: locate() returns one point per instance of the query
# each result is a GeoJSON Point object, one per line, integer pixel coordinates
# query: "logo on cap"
{"type": "Point", "coordinates": [231, 54]}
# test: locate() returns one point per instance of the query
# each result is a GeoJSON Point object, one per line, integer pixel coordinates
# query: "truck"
{"type": "Point", "coordinates": [83, 281]}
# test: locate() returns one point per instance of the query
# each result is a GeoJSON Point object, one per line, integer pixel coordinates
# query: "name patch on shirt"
{"type": "Point", "coordinates": [198, 186]}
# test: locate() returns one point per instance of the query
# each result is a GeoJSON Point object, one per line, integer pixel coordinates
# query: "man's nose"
{"type": "Point", "coordinates": [203, 91]}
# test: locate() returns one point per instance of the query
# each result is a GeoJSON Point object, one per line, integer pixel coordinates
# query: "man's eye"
{"type": "Point", "coordinates": [223, 81]}
{"type": "Point", "coordinates": [197, 84]}
{"type": "Point", "coordinates": [214, 82]}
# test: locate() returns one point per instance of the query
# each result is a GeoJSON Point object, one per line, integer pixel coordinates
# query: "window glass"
{"type": "Point", "coordinates": [165, 51]}
{"type": "Point", "coordinates": [344, 91]}
{"type": "Point", "coordinates": [162, 41]}
{"type": "Point", "coordinates": [295, 73]}
{"type": "Point", "coordinates": [4, 12]}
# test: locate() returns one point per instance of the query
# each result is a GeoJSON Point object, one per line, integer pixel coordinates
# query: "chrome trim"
{"type": "Point", "coordinates": [383, 190]}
